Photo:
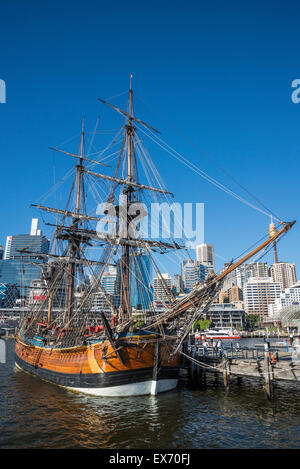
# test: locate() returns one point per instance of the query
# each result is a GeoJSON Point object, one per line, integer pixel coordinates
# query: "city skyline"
{"type": "Point", "coordinates": [195, 269]}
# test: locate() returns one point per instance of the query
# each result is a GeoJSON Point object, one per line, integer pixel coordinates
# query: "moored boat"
{"type": "Point", "coordinates": [226, 333]}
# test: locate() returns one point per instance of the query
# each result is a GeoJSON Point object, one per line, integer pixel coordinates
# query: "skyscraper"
{"type": "Point", "coordinates": [240, 276]}
{"type": "Point", "coordinates": [205, 254]}
{"type": "Point", "coordinates": [259, 293]}
{"type": "Point", "coordinates": [110, 282]}
{"type": "Point", "coordinates": [188, 274]}
{"type": "Point", "coordinates": [16, 267]}
{"type": "Point", "coordinates": [141, 296]}
{"type": "Point", "coordinates": [194, 271]}
{"type": "Point", "coordinates": [284, 273]}
{"type": "Point", "coordinates": [33, 243]}
{"type": "Point", "coordinates": [178, 283]}
{"type": "Point", "coordinates": [162, 286]}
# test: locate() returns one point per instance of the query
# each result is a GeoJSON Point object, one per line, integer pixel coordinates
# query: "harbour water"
{"type": "Point", "coordinates": [35, 414]}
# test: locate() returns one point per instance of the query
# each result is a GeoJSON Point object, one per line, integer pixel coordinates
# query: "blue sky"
{"type": "Point", "coordinates": [219, 71]}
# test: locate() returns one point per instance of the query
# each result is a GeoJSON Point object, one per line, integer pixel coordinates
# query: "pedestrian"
{"type": "Point", "coordinates": [266, 347]}
{"type": "Point", "coordinates": [205, 345]}
{"type": "Point", "coordinates": [219, 348]}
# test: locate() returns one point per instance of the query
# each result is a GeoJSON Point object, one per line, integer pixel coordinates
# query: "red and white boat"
{"type": "Point", "coordinates": [218, 333]}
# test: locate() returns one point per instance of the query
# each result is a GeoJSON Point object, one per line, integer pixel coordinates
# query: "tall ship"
{"type": "Point", "coordinates": [78, 335]}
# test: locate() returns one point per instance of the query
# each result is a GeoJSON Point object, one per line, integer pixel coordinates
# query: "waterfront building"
{"type": "Point", "coordinates": [290, 296]}
{"type": "Point", "coordinates": [1, 252]}
{"type": "Point", "coordinates": [284, 273]}
{"type": "Point", "coordinates": [227, 315]}
{"type": "Point", "coordinates": [258, 293]}
{"type": "Point", "coordinates": [205, 254]}
{"type": "Point", "coordinates": [16, 268]}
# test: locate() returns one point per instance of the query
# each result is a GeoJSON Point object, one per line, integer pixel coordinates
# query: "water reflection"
{"type": "Point", "coordinates": [37, 414]}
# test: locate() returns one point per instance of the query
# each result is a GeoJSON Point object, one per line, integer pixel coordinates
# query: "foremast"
{"type": "Point", "coordinates": [75, 243]}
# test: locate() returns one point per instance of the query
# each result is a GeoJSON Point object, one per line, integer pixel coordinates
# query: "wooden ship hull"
{"type": "Point", "coordinates": [96, 369]}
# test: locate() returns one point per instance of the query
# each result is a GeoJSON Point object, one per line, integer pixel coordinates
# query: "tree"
{"type": "Point", "coordinates": [253, 321]}
{"type": "Point", "coordinates": [202, 324]}
{"type": "Point", "coordinates": [138, 324]}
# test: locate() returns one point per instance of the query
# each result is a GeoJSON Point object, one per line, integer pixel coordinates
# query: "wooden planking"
{"type": "Point", "coordinates": [97, 358]}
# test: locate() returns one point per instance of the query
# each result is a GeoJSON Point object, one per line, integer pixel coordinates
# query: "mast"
{"type": "Point", "coordinates": [272, 231]}
{"type": "Point", "coordinates": [75, 243]}
{"type": "Point", "coordinates": [125, 267]}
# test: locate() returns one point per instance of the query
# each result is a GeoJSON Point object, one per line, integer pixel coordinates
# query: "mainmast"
{"type": "Point", "coordinates": [125, 260]}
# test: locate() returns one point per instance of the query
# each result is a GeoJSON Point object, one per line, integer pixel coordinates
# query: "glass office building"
{"type": "Point", "coordinates": [19, 265]}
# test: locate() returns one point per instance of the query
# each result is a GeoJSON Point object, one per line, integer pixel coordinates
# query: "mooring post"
{"type": "Point", "coordinates": [226, 372]}
{"type": "Point", "coordinates": [268, 378]}
{"type": "Point", "coordinates": [192, 363]}
{"type": "Point", "coordinates": [154, 383]}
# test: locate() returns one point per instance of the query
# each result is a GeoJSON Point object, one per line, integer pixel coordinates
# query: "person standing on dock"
{"type": "Point", "coordinates": [266, 346]}
{"type": "Point", "coordinates": [219, 348]}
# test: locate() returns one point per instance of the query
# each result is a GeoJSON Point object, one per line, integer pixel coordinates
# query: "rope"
{"type": "Point", "coordinates": [209, 158]}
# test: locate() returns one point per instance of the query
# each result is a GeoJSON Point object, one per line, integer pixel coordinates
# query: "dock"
{"type": "Point", "coordinates": [269, 367]}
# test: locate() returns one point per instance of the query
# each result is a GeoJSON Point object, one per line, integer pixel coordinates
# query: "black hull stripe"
{"type": "Point", "coordinates": [97, 380]}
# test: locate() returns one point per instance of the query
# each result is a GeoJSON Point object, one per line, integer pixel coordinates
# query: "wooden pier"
{"type": "Point", "coordinates": [267, 367]}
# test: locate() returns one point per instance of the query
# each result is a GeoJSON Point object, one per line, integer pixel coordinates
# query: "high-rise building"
{"type": "Point", "coordinates": [259, 293]}
{"type": "Point", "coordinates": [205, 254]}
{"type": "Point", "coordinates": [141, 295]}
{"type": "Point", "coordinates": [188, 274]}
{"type": "Point", "coordinates": [8, 295]}
{"type": "Point", "coordinates": [194, 271]}
{"type": "Point", "coordinates": [1, 252]}
{"type": "Point", "coordinates": [178, 284]}
{"type": "Point", "coordinates": [240, 276]}
{"type": "Point", "coordinates": [291, 296]}
{"type": "Point", "coordinates": [222, 297]}
{"type": "Point", "coordinates": [202, 270]}
{"type": "Point", "coordinates": [16, 267]}
{"type": "Point", "coordinates": [231, 295]}
{"type": "Point", "coordinates": [284, 273]}
{"type": "Point", "coordinates": [17, 245]}
{"type": "Point", "coordinates": [235, 294]}
{"type": "Point", "coordinates": [110, 282]}
{"type": "Point", "coordinates": [162, 286]}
